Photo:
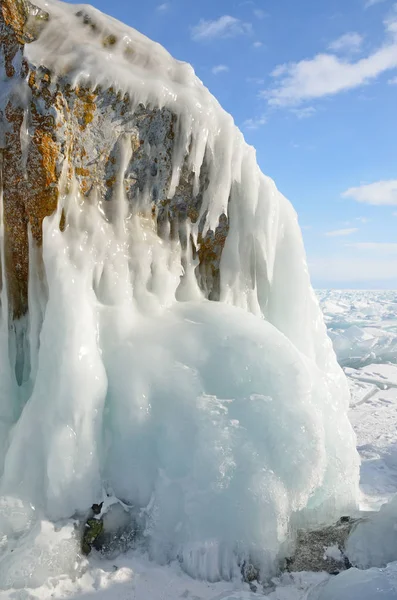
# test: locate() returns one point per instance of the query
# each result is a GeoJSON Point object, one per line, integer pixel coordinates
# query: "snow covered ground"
{"type": "Point", "coordinates": [363, 327]}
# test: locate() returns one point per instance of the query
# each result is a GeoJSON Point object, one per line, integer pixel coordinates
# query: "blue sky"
{"type": "Point", "coordinates": [313, 86]}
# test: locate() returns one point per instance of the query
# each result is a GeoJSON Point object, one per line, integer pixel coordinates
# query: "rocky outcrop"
{"type": "Point", "coordinates": [323, 549]}
{"type": "Point", "coordinates": [27, 174]}
{"type": "Point", "coordinates": [54, 132]}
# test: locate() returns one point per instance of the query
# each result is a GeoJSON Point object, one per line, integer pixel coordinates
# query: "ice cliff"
{"type": "Point", "coordinates": [159, 337]}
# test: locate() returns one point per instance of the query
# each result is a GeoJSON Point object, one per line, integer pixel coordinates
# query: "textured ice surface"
{"type": "Point", "coordinates": [373, 415]}
{"type": "Point", "coordinates": [201, 412]}
{"type": "Point", "coordinates": [223, 424]}
{"type": "Point", "coordinates": [362, 325]}
{"type": "Point", "coordinates": [132, 575]}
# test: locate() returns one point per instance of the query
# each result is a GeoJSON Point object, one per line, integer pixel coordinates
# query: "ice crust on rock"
{"type": "Point", "coordinates": [372, 584]}
{"type": "Point", "coordinates": [224, 423]}
{"type": "Point", "coordinates": [373, 542]}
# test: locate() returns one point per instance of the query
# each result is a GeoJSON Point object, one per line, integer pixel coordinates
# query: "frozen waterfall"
{"type": "Point", "coordinates": [224, 424]}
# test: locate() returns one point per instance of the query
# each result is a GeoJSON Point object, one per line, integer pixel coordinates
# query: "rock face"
{"type": "Point", "coordinates": [55, 133]}
{"type": "Point", "coordinates": [323, 549]}
{"type": "Point", "coordinates": [28, 175]}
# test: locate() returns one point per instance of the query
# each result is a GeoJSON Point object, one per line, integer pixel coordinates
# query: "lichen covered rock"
{"type": "Point", "coordinates": [55, 132]}
{"type": "Point", "coordinates": [323, 549]}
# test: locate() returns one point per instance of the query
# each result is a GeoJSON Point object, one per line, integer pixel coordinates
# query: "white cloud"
{"type": "Point", "coordinates": [279, 71]}
{"type": "Point", "coordinates": [304, 113]}
{"type": "Point", "coordinates": [255, 123]}
{"type": "Point", "coordinates": [257, 44]}
{"type": "Point", "coordinates": [341, 232]}
{"type": "Point", "coordinates": [224, 27]}
{"type": "Point", "coordinates": [163, 7]}
{"type": "Point", "coordinates": [327, 74]}
{"type": "Point", "coordinates": [395, 214]}
{"type": "Point", "coordinates": [387, 248]}
{"type": "Point", "coordinates": [349, 42]}
{"type": "Point", "coordinates": [370, 3]}
{"type": "Point", "coordinates": [220, 69]}
{"type": "Point", "coordinates": [363, 219]}
{"type": "Point", "coordinates": [378, 193]}
{"type": "Point", "coordinates": [392, 81]}
{"type": "Point", "coordinates": [259, 13]}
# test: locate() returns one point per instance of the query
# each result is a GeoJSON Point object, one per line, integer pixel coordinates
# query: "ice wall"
{"type": "Point", "coordinates": [224, 423]}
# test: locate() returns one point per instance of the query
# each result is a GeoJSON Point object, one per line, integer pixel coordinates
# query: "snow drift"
{"type": "Point", "coordinates": [224, 424]}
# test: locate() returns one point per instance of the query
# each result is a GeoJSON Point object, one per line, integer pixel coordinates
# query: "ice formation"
{"type": "Point", "coordinates": [372, 584]}
{"type": "Point", "coordinates": [223, 423]}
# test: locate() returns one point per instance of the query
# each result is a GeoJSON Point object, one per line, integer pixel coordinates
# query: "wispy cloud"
{"type": "Point", "coordinates": [378, 193]}
{"type": "Point", "coordinates": [392, 81]}
{"type": "Point", "coordinates": [341, 232]}
{"type": "Point", "coordinates": [255, 123]}
{"type": "Point", "coordinates": [363, 220]}
{"type": "Point", "coordinates": [328, 74]}
{"type": "Point", "coordinates": [163, 7]}
{"type": "Point", "coordinates": [303, 113]}
{"type": "Point", "coordinates": [256, 80]}
{"type": "Point", "coordinates": [220, 69]}
{"type": "Point", "coordinates": [257, 44]}
{"type": "Point", "coordinates": [370, 3]}
{"type": "Point", "coordinates": [224, 27]}
{"type": "Point", "coordinates": [384, 247]}
{"type": "Point", "coordinates": [259, 13]}
{"type": "Point", "coordinates": [349, 42]}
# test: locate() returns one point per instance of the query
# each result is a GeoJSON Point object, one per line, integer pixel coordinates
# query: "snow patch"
{"type": "Point", "coordinates": [334, 553]}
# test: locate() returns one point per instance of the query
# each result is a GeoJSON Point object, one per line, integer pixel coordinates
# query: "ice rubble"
{"type": "Point", "coordinates": [362, 325]}
{"type": "Point", "coordinates": [224, 423]}
{"type": "Point", "coordinates": [369, 318]}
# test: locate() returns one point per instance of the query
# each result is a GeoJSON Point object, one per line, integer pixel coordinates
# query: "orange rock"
{"type": "Point", "coordinates": [84, 130]}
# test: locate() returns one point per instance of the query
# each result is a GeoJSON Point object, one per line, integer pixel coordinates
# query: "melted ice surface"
{"type": "Point", "coordinates": [224, 424]}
